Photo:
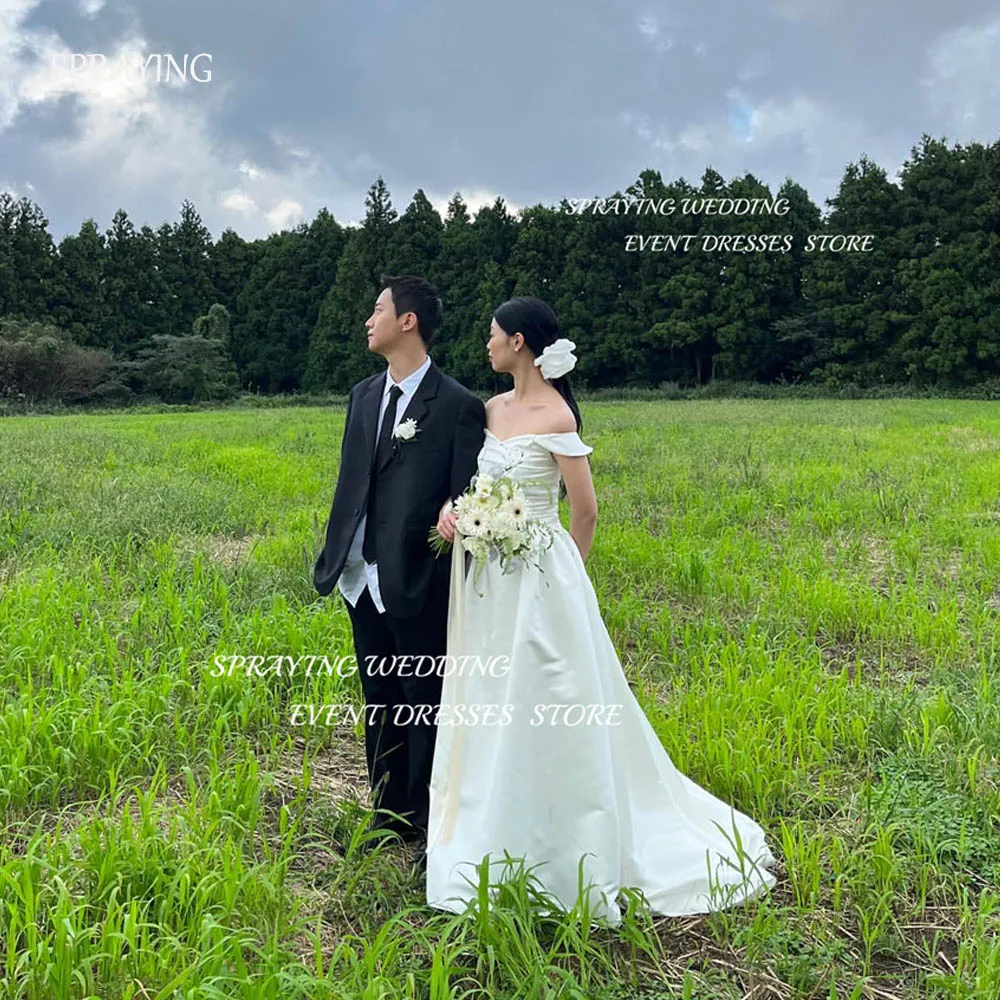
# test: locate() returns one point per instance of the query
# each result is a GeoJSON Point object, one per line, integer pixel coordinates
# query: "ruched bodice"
{"type": "Point", "coordinates": [528, 459]}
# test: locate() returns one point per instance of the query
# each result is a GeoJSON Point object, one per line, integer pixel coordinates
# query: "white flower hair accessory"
{"type": "Point", "coordinates": [557, 359]}
{"type": "Point", "coordinates": [407, 430]}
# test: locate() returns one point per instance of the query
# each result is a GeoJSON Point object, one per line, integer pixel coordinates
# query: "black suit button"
{"type": "Point", "coordinates": [357, 510]}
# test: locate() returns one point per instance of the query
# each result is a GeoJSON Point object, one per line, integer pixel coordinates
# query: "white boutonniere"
{"type": "Point", "coordinates": [407, 430]}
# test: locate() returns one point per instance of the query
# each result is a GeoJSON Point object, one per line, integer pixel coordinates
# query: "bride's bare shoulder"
{"type": "Point", "coordinates": [558, 418]}
{"type": "Point", "coordinates": [499, 401]}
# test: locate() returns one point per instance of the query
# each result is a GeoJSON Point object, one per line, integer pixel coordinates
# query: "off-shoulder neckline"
{"type": "Point", "coordinates": [514, 437]}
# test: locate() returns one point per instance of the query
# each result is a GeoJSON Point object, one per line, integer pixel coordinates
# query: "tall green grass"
{"type": "Point", "coordinates": [804, 595]}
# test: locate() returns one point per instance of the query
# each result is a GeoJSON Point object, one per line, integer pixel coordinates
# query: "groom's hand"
{"type": "Point", "coordinates": [446, 522]}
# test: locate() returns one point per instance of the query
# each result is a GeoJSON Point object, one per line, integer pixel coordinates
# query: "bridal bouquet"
{"type": "Point", "coordinates": [492, 517]}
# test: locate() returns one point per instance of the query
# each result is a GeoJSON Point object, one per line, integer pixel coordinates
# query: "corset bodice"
{"type": "Point", "coordinates": [529, 460]}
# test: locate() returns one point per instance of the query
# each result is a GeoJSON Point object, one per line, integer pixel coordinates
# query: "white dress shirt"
{"type": "Point", "coordinates": [357, 573]}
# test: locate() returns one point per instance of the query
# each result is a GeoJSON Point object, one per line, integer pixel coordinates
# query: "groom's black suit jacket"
{"type": "Point", "coordinates": [413, 482]}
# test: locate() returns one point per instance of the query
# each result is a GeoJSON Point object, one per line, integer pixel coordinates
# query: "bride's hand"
{"type": "Point", "coordinates": [446, 522]}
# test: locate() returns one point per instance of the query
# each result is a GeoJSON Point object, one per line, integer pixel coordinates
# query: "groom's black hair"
{"type": "Point", "coordinates": [419, 296]}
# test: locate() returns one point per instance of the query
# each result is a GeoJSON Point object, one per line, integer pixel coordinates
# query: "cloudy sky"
{"type": "Point", "coordinates": [534, 100]}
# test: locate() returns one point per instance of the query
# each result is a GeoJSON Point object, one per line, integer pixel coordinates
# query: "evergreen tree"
{"type": "Point", "coordinates": [77, 300]}
{"type": "Point", "coordinates": [538, 256]}
{"type": "Point", "coordinates": [947, 286]}
{"type": "Point", "coordinates": [338, 353]}
{"type": "Point", "coordinates": [184, 263]}
{"type": "Point", "coordinates": [851, 291]}
{"type": "Point", "coordinates": [231, 260]}
{"type": "Point", "coordinates": [27, 259]}
{"type": "Point", "coordinates": [416, 239]}
{"type": "Point", "coordinates": [922, 304]}
{"type": "Point", "coordinates": [278, 309]}
{"type": "Point", "coordinates": [454, 275]}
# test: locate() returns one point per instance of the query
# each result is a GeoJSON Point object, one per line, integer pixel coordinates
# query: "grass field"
{"type": "Point", "coordinates": [805, 596]}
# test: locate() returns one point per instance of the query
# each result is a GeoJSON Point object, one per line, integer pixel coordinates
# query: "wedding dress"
{"type": "Point", "coordinates": [550, 793]}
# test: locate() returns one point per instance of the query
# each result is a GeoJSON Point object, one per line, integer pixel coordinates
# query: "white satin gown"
{"type": "Point", "coordinates": [552, 793]}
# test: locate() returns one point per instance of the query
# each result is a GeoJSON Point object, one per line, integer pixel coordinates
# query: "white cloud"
{"type": "Point", "coordinates": [147, 132]}
{"type": "Point", "coordinates": [639, 124]}
{"type": "Point", "coordinates": [698, 138]}
{"type": "Point", "coordinates": [238, 201]}
{"type": "Point", "coordinates": [798, 116]}
{"type": "Point", "coordinates": [662, 37]}
{"type": "Point", "coordinates": [264, 194]}
{"type": "Point", "coordinates": [12, 39]}
{"type": "Point", "coordinates": [650, 28]}
{"type": "Point", "coordinates": [745, 137]}
{"type": "Point", "coordinates": [282, 141]}
{"type": "Point", "coordinates": [286, 214]}
{"type": "Point", "coordinates": [828, 137]}
{"type": "Point", "coordinates": [91, 8]}
{"type": "Point", "coordinates": [8, 187]}
{"type": "Point", "coordinates": [474, 199]}
{"type": "Point", "coordinates": [962, 79]}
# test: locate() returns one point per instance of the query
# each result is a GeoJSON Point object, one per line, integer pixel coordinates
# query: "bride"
{"type": "Point", "coordinates": [565, 766]}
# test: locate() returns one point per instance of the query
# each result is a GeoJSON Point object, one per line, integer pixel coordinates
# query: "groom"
{"type": "Point", "coordinates": [411, 441]}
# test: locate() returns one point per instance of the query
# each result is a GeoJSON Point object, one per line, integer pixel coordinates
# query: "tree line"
{"type": "Point", "coordinates": [173, 314]}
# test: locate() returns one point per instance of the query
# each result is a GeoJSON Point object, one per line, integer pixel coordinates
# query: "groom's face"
{"type": "Point", "coordinates": [385, 329]}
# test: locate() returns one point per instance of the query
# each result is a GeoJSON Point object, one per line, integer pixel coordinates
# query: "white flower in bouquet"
{"type": "Point", "coordinates": [492, 518]}
{"type": "Point", "coordinates": [515, 508]}
{"type": "Point", "coordinates": [512, 513]}
{"type": "Point", "coordinates": [503, 526]}
{"type": "Point", "coordinates": [484, 504]}
{"type": "Point", "coordinates": [471, 504]}
{"type": "Point", "coordinates": [473, 523]}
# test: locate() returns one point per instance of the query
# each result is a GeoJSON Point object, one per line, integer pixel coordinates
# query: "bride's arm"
{"type": "Point", "coordinates": [582, 500]}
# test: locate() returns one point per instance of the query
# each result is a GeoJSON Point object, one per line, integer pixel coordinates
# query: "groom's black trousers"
{"type": "Point", "coordinates": [400, 749]}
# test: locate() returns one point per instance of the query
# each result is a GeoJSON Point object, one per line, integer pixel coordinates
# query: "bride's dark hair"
{"type": "Point", "coordinates": [537, 323]}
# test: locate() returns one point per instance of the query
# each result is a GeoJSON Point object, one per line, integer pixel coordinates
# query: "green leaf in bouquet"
{"type": "Point", "coordinates": [439, 546]}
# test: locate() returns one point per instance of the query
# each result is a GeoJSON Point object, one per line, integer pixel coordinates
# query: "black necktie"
{"type": "Point", "coordinates": [381, 451]}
